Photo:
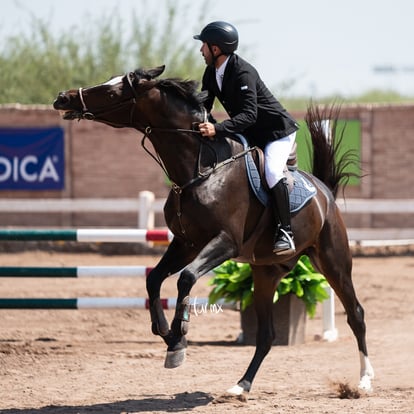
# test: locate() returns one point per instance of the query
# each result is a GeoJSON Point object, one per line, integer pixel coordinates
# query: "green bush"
{"type": "Point", "coordinates": [233, 282]}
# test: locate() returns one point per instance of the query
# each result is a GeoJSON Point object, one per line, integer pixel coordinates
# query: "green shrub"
{"type": "Point", "coordinates": [233, 282]}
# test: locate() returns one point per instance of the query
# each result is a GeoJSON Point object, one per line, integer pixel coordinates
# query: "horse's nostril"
{"type": "Point", "coordinates": [61, 100]}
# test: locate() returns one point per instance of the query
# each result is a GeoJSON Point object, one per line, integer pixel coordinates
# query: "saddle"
{"type": "Point", "coordinates": [301, 190]}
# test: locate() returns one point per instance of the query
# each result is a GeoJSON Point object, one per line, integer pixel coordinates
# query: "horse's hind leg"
{"type": "Point", "coordinates": [265, 283]}
{"type": "Point", "coordinates": [333, 259]}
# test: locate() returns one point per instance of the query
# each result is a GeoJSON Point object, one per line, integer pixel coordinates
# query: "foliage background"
{"type": "Point", "coordinates": [35, 65]}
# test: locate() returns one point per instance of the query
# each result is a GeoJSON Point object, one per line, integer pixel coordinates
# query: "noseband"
{"type": "Point", "coordinates": [85, 113]}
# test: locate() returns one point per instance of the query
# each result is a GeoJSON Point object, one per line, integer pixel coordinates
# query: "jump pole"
{"type": "Point", "coordinates": [79, 271]}
{"type": "Point", "coordinates": [199, 304]}
{"type": "Point", "coordinates": [88, 235]}
{"type": "Point", "coordinates": [76, 272]}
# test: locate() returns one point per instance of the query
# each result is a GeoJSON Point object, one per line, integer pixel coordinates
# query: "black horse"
{"type": "Point", "coordinates": [212, 211]}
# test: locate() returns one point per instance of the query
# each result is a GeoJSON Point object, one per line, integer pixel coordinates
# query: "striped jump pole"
{"type": "Point", "coordinates": [88, 235]}
{"type": "Point", "coordinates": [79, 271]}
{"type": "Point", "coordinates": [198, 305]}
{"type": "Point", "coordinates": [76, 272]}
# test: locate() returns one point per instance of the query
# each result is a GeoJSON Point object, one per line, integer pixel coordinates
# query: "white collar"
{"type": "Point", "coordinates": [220, 70]}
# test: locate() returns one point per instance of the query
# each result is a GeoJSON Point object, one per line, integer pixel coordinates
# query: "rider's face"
{"type": "Point", "coordinates": [205, 51]}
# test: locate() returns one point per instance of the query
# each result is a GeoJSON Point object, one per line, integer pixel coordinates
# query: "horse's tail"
{"type": "Point", "coordinates": [328, 164]}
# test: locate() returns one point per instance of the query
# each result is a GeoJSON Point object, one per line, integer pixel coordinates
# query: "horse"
{"type": "Point", "coordinates": [213, 213]}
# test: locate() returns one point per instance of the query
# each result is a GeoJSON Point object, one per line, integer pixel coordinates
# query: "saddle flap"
{"type": "Point", "coordinates": [301, 190]}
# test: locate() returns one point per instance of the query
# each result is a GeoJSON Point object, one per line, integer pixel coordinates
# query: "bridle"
{"type": "Point", "coordinates": [89, 115]}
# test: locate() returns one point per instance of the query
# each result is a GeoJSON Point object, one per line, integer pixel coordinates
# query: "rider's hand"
{"type": "Point", "coordinates": [207, 130]}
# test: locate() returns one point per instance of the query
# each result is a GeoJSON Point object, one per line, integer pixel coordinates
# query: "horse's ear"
{"type": "Point", "coordinates": [154, 73]}
{"type": "Point", "coordinates": [149, 74]}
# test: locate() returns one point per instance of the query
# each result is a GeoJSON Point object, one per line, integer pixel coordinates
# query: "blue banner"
{"type": "Point", "coordinates": [32, 159]}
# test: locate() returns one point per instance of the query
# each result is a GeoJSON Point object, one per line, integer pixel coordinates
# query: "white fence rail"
{"type": "Point", "coordinates": [146, 206]}
{"type": "Point", "coordinates": [376, 206]}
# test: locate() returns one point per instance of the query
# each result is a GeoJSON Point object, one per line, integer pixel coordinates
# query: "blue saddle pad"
{"type": "Point", "coordinates": [303, 189]}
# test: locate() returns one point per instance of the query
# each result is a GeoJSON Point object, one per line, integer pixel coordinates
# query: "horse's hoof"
{"type": "Point", "coordinates": [235, 390]}
{"type": "Point", "coordinates": [365, 384]}
{"type": "Point", "coordinates": [232, 395]}
{"type": "Point", "coordinates": [174, 358]}
{"type": "Point", "coordinates": [227, 398]}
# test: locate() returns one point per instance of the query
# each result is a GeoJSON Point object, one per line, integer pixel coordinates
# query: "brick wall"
{"type": "Point", "coordinates": [103, 162]}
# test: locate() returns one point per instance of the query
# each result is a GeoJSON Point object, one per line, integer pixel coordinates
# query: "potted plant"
{"type": "Point", "coordinates": [297, 295]}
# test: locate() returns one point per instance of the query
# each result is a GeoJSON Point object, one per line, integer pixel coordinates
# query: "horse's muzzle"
{"type": "Point", "coordinates": [64, 105]}
{"type": "Point", "coordinates": [61, 102]}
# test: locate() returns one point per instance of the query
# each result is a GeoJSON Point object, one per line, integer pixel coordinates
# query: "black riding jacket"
{"type": "Point", "coordinates": [253, 110]}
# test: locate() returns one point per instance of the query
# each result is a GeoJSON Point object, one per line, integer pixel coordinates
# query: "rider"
{"type": "Point", "coordinates": [254, 112]}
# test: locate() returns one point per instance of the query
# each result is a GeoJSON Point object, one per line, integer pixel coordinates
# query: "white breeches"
{"type": "Point", "coordinates": [276, 155]}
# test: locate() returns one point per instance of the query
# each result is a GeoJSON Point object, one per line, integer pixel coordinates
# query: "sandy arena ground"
{"type": "Point", "coordinates": [107, 361]}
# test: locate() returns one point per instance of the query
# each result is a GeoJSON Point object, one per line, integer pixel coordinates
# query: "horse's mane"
{"type": "Point", "coordinates": [185, 89]}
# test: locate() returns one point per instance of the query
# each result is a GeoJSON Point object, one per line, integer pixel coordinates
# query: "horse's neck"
{"type": "Point", "coordinates": [179, 153]}
{"type": "Point", "coordinates": [173, 138]}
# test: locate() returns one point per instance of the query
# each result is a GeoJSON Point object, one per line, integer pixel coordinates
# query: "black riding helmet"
{"type": "Point", "coordinates": [222, 34]}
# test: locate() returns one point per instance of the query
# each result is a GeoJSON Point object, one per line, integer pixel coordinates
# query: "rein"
{"type": "Point", "coordinates": [178, 189]}
{"type": "Point", "coordinates": [200, 176]}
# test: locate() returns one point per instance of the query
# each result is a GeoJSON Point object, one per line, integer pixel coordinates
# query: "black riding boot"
{"type": "Point", "coordinates": [284, 243]}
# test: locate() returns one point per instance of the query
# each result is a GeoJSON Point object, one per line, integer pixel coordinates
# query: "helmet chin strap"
{"type": "Point", "coordinates": [213, 64]}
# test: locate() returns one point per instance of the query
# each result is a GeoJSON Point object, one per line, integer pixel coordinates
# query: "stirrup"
{"type": "Point", "coordinates": [284, 244]}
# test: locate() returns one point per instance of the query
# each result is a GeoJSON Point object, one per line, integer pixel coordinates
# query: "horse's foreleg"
{"type": "Point", "coordinates": [214, 253]}
{"type": "Point", "coordinates": [265, 283]}
{"type": "Point", "coordinates": [175, 258]}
